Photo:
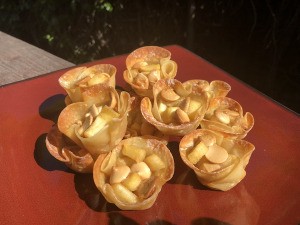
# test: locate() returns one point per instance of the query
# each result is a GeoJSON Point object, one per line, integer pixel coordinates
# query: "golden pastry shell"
{"type": "Point", "coordinates": [69, 154]}
{"type": "Point", "coordinates": [226, 178]}
{"type": "Point", "coordinates": [105, 139]}
{"type": "Point", "coordinates": [243, 125]}
{"type": "Point", "coordinates": [70, 79]}
{"type": "Point", "coordinates": [153, 145]}
{"type": "Point", "coordinates": [215, 88]}
{"type": "Point", "coordinates": [170, 129]}
{"type": "Point", "coordinates": [147, 53]}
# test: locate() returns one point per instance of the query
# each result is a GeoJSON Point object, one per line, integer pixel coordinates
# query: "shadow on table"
{"type": "Point", "coordinates": [84, 183]}
{"type": "Point", "coordinates": [88, 192]}
{"type": "Point", "coordinates": [52, 106]}
{"type": "Point", "coordinates": [44, 159]}
{"type": "Point", "coordinates": [208, 221]}
{"type": "Point", "coordinates": [116, 218]}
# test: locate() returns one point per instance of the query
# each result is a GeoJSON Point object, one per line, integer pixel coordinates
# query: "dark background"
{"type": "Point", "coordinates": [257, 41]}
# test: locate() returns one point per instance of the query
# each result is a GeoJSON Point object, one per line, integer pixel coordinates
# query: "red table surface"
{"type": "Point", "coordinates": [37, 189]}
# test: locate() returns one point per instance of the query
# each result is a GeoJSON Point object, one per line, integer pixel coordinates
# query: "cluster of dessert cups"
{"type": "Point", "coordinates": [121, 136]}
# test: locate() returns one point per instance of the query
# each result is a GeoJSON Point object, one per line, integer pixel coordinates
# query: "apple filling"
{"type": "Point", "coordinates": [225, 115]}
{"type": "Point", "coordinates": [175, 108]}
{"type": "Point", "coordinates": [93, 79]}
{"type": "Point", "coordinates": [133, 173]}
{"type": "Point", "coordinates": [95, 120]}
{"type": "Point", "coordinates": [79, 79]}
{"type": "Point", "coordinates": [132, 176]}
{"type": "Point", "coordinates": [145, 72]}
{"type": "Point", "coordinates": [208, 153]}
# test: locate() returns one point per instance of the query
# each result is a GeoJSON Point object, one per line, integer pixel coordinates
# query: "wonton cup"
{"type": "Point", "coordinates": [82, 77]}
{"type": "Point", "coordinates": [225, 115]}
{"type": "Point", "coordinates": [64, 150]}
{"type": "Point", "coordinates": [147, 65]}
{"type": "Point", "coordinates": [176, 109]}
{"type": "Point", "coordinates": [99, 123]}
{"type": "Point", "coordinates": [219, 163]}
{"type": "Point", "coordinates": [133, 173]}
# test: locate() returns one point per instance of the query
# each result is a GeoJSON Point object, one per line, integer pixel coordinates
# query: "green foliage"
{"type": "Point", "coordinates": [49, 38]}
{"type": "Point", "coordinates": [234, 35]}
{"type": "Point", "coordinates": [103, 5]}
{"type": "Point", "coordinates": [81, 31]}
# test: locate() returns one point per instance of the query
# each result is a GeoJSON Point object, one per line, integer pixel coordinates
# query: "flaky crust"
{"type": "Point", "coordinates": [75, 157]}
{"type": "Point", "coordinates": [149, 54]}
{"type": "Point", "coordinates": [73, 80]}
{"type": "Point", "coordinates": [215, 88]}
{"type": "Point", "coordinates": [101, 94]}
{"type": "Point", "coordinates": [236, 129]}
{"type": "Point", "coordinates": [153, 146]}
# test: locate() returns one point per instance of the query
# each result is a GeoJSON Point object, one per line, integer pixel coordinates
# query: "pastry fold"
{"type": "Point", "coordinates": [64, 150]}
{"type": "Point", "coordinates": [74, 80]}
{"type": "Point", "coordinates": [133, 173]}
{"type": "Point", "coordinates": [177, 108]}
{"type": "Point", "coordinates": [99, 123]}
{"type": "Point", "coordinates": [225, 115]}
{"type": "Point", "coordinates": [145, 66]}
{"type": "Point", "coordinates": [215, 88]}
{"type": "Point", "coordinates": [219, 163]}
{"type": "Point", "coordinates": [138, 126]}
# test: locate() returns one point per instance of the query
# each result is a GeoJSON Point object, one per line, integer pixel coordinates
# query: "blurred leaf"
{"type": "Point", "coordinates": [107, 6]}
{"type": "Point", "coordinates": [49, 38]}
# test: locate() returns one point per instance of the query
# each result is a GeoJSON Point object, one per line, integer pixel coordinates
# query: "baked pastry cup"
{"type": "Point", "coordinates": [147, 65]}
{"type": "Point", "coordinates": [65, 150]}
{"type": "Point", "coordinates": [83, 77]}
{"type": "Point", "coordinates": [133, 173]}
{"type": "Point", "coordinates": [177, 108]}
{"type": "Point", "coordinates": [225, 115]}
{"type": "Point", "coordinates": [215, 88]}
{"type": "Point", "coordinates": [99, 123]}
{"type": "Point", "coordinates": [219, 163]}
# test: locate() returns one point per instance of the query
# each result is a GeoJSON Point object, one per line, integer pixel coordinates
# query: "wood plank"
{"type": "Point", "coordinates": [20, 60]}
